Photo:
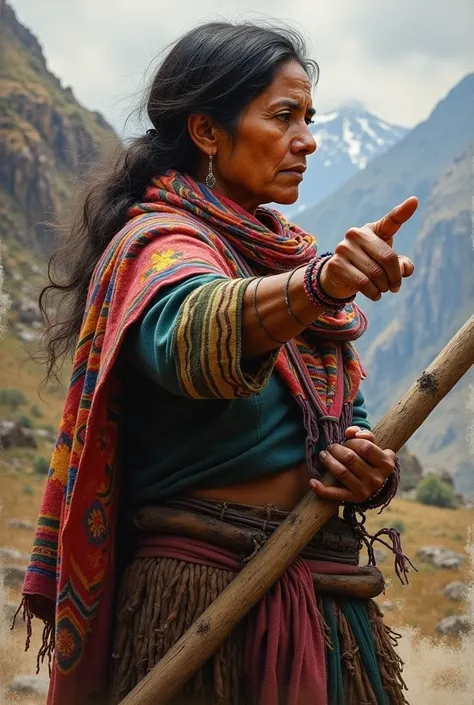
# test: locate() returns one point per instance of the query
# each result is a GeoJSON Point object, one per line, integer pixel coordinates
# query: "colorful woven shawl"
{"type": "Point", "coordinates": [182, 229]}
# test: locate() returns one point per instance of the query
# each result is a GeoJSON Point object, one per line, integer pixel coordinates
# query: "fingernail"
{"type": "Point", "coordinates": [322, 454]}
{"type": "Point", "coordinates": [395, 289]}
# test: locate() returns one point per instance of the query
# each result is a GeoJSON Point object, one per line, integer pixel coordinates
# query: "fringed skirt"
{"type": "Point", "coordinates": [162, 595]}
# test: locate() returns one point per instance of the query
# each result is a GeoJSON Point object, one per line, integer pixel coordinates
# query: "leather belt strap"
{"type": "Point", "coordinates": [247, 539]}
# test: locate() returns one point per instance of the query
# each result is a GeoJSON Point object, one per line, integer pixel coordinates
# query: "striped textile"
{"type": "Point", "coordinates": [181, 230]}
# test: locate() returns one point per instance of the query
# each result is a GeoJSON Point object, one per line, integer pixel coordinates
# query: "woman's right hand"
{"type": "Point", "coordinates": [365, 260]}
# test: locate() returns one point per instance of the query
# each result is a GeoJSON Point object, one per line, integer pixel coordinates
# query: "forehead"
{"type": "Point", "coordinates": [290, 81]}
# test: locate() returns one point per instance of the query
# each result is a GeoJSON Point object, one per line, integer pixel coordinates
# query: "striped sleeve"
{"type": "Point", "coordinates": [189, 341]}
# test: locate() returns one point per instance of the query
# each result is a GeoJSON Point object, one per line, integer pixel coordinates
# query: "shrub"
{"type": "Point", "coordinates": [433, 491]}
{"type": "Point", "coordinates": [399, 524]}
{"type": "Point", "coordinates": [41, 465]}
{"type": "Point", "coordinates": [36, 411]}
{"type": "Point", "coordinates": [12, 397]}
{"type": "Point", "coordinates": [408, 481]}
{"type": "Point", "coordinates": [25, 421]}
{"type": "Point", "coordinates": [27, 489]}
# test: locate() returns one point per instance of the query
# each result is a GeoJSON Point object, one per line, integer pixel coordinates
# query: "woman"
{"type": "Point", "coordinates": [214, 380]}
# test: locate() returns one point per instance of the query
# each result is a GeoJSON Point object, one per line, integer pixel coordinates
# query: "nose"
{"type": "Point", "coordinates": [304, 141]}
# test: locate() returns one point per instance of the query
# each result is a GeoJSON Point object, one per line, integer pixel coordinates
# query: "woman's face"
{"type": "Point", "coordinates": [266, 161]}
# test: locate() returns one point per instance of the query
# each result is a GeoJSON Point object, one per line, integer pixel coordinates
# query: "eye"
{"type": "Point", "coordinates": [285, 117]}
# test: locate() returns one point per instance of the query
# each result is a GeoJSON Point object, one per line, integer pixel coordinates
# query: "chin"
{"type": "Point", "coordinates": [286, 197]}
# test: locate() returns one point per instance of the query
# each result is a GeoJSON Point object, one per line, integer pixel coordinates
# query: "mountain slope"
{"type": "Point", "coordinates": [46, 137]}
{"type": "Point", "coordinates": [409, 168]}
{"type": "Point", "coordinates": [347, 140]}
{"type": "Point", "coordinates": [441, 300]}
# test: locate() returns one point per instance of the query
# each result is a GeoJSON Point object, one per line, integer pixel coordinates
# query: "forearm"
{"type": "Point", "coordinates": [271, 325]}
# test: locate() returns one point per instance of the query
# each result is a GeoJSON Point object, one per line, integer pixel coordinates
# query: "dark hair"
{"type": "Point", "coordinates": [216, 69]}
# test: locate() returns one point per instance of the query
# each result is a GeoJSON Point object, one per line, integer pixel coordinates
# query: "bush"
{"type": "Point", "coordinates": [434, 492]}
{"type": "Point", "coordinates": [12, 397]}
{"type": "Point", "coordinates": [400, 525]}
{"type": "Point", "coordinates": [27, 489]}
{"type": "Point", "coordinates": [25, 421]}
{"type": "Point", "coordinates": [41, 465]}
{"type": "Point", "coordinates": [36, 411]}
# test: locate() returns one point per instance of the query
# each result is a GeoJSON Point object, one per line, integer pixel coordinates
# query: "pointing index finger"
{"type": "Point", "coordinates": [386, 227]}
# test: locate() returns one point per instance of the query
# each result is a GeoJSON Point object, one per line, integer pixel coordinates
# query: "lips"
{"type": "Point", "coordinates": [297, 170]}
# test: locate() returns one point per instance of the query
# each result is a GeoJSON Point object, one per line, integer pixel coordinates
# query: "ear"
{"type": "Point", "coordinates": [203, 133]}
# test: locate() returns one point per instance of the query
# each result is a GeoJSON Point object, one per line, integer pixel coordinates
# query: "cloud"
{"type": "Point", "coordinates": [398, 58]}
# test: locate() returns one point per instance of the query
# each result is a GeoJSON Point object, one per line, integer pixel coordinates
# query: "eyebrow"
{"type": "Point", "coordinates": [294, 105]}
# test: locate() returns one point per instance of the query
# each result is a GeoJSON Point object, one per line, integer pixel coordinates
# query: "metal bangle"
{"type": "Point", "coordinates": [287, 298]}
{"type": "Point", "coordinates": [264, 328]}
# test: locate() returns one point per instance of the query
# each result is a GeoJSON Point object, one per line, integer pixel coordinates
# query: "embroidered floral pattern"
{"type": "Point", "coordinates": [161, 261]}
{"type": "Point", "coordinates": [95, 523]}
{"type": "Point", "coordinates": [65, 643]}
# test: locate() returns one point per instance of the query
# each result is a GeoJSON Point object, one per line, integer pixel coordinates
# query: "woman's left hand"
{"type": "Point", "coordinates": [359, 465]}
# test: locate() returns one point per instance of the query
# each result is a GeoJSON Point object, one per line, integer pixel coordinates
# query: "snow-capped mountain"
{"type": "Point", "coordinates": [347, 139]}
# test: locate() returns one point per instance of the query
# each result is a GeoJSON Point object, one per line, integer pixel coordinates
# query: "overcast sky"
{"type": "Point", "coordinates": [396, 57]}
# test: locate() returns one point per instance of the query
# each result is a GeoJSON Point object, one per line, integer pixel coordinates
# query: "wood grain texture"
{"type": "Point", "coordinates": [310, 515]}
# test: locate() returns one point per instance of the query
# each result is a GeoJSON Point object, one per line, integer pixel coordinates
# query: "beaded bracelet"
{"type": "Point", "coordinates": [313, 289]}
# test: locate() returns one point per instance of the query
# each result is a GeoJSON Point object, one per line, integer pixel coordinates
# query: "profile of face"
{"type": "Point", "coordinates": [265, 161]}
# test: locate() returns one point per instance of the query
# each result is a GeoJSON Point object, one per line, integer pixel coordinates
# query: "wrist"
{"type": "Point", "coordinates": [315, 289]}
{"type": "Point", "coordinates": [333, 292]}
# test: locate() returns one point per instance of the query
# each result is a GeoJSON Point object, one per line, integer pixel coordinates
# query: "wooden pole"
{"type": "Point", "coordinates": [310, 515]}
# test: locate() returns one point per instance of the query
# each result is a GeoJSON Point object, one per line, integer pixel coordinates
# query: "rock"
{"type": "Point", "coordinates": [29, 685]}
{"type": "Point", "coordinates": [443, 474]}
{"type": "Point", "coordinates": [13, 434]}
{"type": "Point", "coordinates": [27, 336]}
{"type": "Point", "coordinates": [440, 557]}
{"type": "Point", "coordinates": [10, 554]}
{"type": "Point", "coordinates": [380, 555]}
{"type": "Point", "coordinates": [21, 524]}
{"type": "Point", "coordinates": [387, 606]}
{"type": "Point", "coordinates": [411, 470]}
{"type": "Point", "coordinates": [456, 591]}
{"type": "Point", "coordinates": [28, 312]}
{"type": "Point", "coordinates": [14, 575]}
{"type": "Point", "coordinates": [455, 625]}
{"type": "Point", "coordinates": [44, 433]}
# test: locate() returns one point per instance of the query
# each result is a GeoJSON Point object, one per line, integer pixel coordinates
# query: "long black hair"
{"type": "Point", "coordinates": [216, 68]}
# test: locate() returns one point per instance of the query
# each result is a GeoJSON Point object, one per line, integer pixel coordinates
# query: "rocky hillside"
{"type": "Point", "coordinates": [46, 137]}
{"type": "Point", "coordinates": [47, 141]}
{"type": "Point", "coordinates": [440, 300]}
{"type": "Point", "coordinates": [433, 162]}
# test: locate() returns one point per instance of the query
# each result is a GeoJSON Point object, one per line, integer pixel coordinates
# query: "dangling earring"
{"type": "Point", "coordinates": [210, 178]}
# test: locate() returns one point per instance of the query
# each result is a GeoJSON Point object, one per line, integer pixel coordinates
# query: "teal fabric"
{"type": "Point", "coordinates": [173, 443]}
{"type": "Point", "coordinates": [333, 657]}
{"type": "Point", "coordinates": [360, 625]}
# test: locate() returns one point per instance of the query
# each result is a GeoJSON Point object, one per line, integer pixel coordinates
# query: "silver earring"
{"type": "Point", "coordinates": [210, 178]}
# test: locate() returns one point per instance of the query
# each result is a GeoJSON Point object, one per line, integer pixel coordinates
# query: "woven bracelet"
{"type": "Point", "coordinates": [313, 289]}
